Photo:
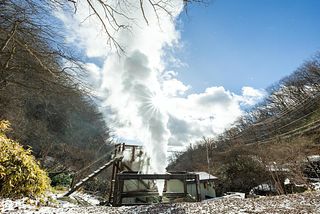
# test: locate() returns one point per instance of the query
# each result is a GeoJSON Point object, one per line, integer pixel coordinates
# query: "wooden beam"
{"type": "Point", "coordinates": [135, 194]}
{"type": "Point", "coordinates": [133, 176]}
{"type": "Point", "coordinates": [127, 167]}
{"type": "Point", "coordinates": [127, 145]}
{"type": "Point", "coordinates": [92, 175]}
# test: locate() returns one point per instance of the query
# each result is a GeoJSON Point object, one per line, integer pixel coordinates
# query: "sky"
{"type": "Point", "coordinates": [236, 43]}
{"type": "Point", "coordinates": [193, 75]}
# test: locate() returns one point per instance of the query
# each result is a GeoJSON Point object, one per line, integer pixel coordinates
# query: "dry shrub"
{"type": "Point", "coordinates": [287, 159]}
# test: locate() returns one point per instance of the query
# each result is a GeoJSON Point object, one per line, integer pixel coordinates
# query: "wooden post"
{"type": "Point", "coordinates": [118, 189]}
{"type": "Point", "coordinates": [115, 193]}
{"type": "Point", "coordinates": [197, 188]}
{"type": "Point", "coordinates": [73, 182]}
{"type": "Point", "coordinates": [121, 182]}
{"type": "Point", "coordinates": [133, 153]}
{"type": "Point", "coordinates": [185, 186]}
{"type": "Point", "coordinates": [113, 176]}
{"type": "Point", "coordinates": [118, 169]}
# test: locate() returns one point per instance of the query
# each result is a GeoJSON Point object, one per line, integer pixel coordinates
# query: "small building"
{"type": "Point", "coordinates": [206, 186]}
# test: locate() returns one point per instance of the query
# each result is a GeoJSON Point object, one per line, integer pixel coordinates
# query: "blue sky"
{"type": "Point", "coordinates": [255, 43]}
{"type": "Point", "coordinates": [232, 48]}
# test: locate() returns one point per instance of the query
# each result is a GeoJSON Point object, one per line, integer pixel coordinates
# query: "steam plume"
{"type": "Point", "coordinates": [130, 83]}
{"type": "Point", "coordinates": [147, 103]}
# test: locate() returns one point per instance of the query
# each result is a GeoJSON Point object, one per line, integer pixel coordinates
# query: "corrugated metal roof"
{"type": "Point", "coordinates": [205, 176]}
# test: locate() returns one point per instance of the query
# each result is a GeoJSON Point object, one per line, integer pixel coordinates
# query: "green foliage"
{"type": "Point", "coordinates": [62, 179]}
{"type": "Point", "coordinates": [20, 174]}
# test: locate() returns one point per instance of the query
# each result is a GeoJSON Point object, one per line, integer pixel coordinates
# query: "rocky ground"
{"type": "Point", "coordinates": [296, 203]}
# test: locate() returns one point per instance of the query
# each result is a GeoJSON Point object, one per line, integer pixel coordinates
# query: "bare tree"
{"type": "Point", "coordinates": [115, 16]}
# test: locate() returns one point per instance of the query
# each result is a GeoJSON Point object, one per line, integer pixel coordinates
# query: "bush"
{"type": "Point", "coordinates": [62, 179]}
{"type": "Point", "coordinates": [20, 174]}
{"type": "Point", "coordinates": [240, 171]}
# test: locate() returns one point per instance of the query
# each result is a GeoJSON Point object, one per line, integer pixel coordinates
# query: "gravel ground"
{"type": "Point", "coordinates": [296, 203]}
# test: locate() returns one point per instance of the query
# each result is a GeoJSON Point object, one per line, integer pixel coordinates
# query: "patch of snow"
{"type": "Point", "coordinates": [316, 185]}
{"type": "Point", "coordinates": [307, 202]}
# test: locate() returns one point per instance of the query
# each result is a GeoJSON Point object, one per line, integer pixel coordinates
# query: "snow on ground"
{"type": "Point", "coordinates": [296, 203]}
{"type": "Point", "coordinates": [316, 186]}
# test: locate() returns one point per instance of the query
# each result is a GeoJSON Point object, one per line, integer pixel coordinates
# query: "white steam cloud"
{"type": "Point", "coordinates": [130, 83]}
{"type": "Point", "coordinates": [148, 103]}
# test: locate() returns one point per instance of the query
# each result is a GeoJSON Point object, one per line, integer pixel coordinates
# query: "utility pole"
{"type": "Point", "coordinates": [208, 160]}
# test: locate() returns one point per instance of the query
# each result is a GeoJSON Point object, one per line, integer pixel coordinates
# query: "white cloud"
{"type": "Point", "coordinates": [251, 92]}
{"type": "Point", "coordinates": [251, 96]}
{"type": "Point", "coordinates": [174, 87]}
{"type": "Point", "coordinates": [203, 114]}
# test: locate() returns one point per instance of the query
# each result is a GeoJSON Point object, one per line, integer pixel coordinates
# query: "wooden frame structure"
{"type": "Point", "coordinates": [184, 177]}
{"type": "Point", "coordinates": [122, 172]}
{"type": "Point", "coordinates": [120, 166]}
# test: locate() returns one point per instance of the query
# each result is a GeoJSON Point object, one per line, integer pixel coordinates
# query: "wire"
{"type": "Point", "coordinates": [280, 117]}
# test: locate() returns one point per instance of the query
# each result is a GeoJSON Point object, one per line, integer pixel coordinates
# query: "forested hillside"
{"type": "Point", "coordinates": [52, 112]}
{"type": "Point", "coordinates": [41, 93]}
{"type": "Point", "coordinates": [271, 142]}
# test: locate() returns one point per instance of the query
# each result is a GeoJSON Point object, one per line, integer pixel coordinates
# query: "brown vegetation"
{"type": "Point", "coordinates": [271, 142]}
{"type": "Point", "coordinates": [41, 93]}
